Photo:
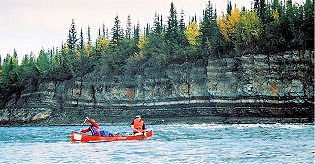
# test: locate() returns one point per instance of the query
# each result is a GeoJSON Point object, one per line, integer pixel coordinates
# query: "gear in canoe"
{"type": "Point", "coordinates": [139, 133]}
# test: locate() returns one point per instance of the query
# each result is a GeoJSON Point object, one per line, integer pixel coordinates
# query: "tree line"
{"type": "Point", "coordinates": [267, 27]}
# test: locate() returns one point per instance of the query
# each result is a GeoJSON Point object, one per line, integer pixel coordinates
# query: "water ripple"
{"type": "Point", "coordinates": [205, 143]}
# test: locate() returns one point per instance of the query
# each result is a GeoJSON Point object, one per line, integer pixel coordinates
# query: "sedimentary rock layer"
{"type": "Point", "coordinates": [246, 89]}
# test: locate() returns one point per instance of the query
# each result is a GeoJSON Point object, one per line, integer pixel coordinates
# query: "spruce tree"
{"type": "Point", "coordinates": [157, 29]}
{"type": "Point", "coordinates": [182, 39]}
{"type": "Point", "coordinates": [81, 40]}
{"type": "Point", "coordinates": [229, 7]}
{"type": "Point", "coordinates": [15, 59]}
{"type": "Point", "coordinates": [136, 34]}
{"type": "Point", "coordinates": [117, 31]}
{"type": "Point", "coordinates": [181, 21]}
{"type": "Point", "coordinates": [260, 7]}
{"type": "Point", "coordinates": [10, 69]}
{"type": "Point", "coordinates": [162, 26]}
{"type": "Point", "coordinates": [6, 67]}
{"type": "Point", "coordinates": [172, 25]}
{"type": "Point", "coordinates": [72, 37]}
{"type": "Point", "coordinates": [256, 5]}
{"type": "Point", "coordinates": [27, 68]}
{"type": "Point", "coordinates": [209, 29]}
{"type": "Point", "coordinates": [262, 11]}
{"type": "Point", "coordinates": [147, 30]}
{"type": "Point", "coordinates": [128, 27]}
{"type": "Point", "coordinates": [103, 31]}
{"type": "Point", "coordinates": [107, 33]}
{"type": "Point", "coordinates": [291, 20]}
{"type": "Point", "coordinates": [308, 24]}
{"type": "Point", "coordinates": [275, 5]}
{"type": "Point", "coordinates": [42, 64]}
{"type": "Point", "coordinates": [89, 35]}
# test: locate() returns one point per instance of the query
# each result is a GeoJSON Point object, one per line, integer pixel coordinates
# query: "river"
{"type": "Point", "coordinates": [179, 143]}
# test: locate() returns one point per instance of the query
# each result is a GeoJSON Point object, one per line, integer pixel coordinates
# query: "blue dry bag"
{"type": "Point", "coordinates": [105, 133]}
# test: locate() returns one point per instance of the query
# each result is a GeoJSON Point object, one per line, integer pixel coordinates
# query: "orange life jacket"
{"type": "Point", "coordinates": [138, 124]}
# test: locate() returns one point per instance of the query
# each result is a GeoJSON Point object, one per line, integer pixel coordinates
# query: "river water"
{"type": "Point", "coordinates": [182, 143]}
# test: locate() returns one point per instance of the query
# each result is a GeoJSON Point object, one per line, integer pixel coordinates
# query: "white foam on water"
{"type": "Point", "coordinates": [277, 125]}
{"type": "Point", "coordinates": [206, 126]}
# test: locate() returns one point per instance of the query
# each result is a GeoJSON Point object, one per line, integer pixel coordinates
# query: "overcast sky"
{"type": "Point", "coordinates": [29, 25]}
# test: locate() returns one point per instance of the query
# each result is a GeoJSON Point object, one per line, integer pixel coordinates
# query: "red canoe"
{"type": "Point", "coordinates": [80, 137]}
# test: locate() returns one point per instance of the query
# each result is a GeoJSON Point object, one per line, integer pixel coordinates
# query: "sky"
{"type": "Point", "coordinates": [31, 25]}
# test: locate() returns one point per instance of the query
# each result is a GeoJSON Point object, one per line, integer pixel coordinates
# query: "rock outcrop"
{"type": "Point", "coordinates": [253, 88]}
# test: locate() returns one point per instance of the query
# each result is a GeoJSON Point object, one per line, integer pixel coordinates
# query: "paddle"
{"type": "Point", "coordinates": [144, 133]}
{"type": "Point", "coordinates": [82, 124]}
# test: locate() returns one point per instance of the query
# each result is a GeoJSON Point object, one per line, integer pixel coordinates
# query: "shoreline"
{"type": "Point", "coordinates": [185, 120]}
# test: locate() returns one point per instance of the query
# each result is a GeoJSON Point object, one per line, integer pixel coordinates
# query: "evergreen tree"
{"type": "Point", "coordinates": [308, 24]}
{"type": "Point", "coordinates": [210, 34]}
{"type": "Point", "coordinates": [262, 11]}
{"type": "Point", "coordinates": [147, 30]}
{"type": "Point", "coordinates": [70, 54]}
{"type": "Point", "coordinates": [128, 27]}
{"type": "Point", "coordinates": [72, 37]}
{"type": "Point", "coordinates": [162, 26]}
{"type": "Point", "coordinates": [28, 69]}
{"type": "Point", "coordinates": [81, 40]}
{"type": "Point", "coordinates": [25, 60]}
{"type": "Point", "coordinates": [5, 67]}
{"type": "Point", "coordinates": [284, 28]}
{"type": "Point", "coordinates": [172, 25]}
{"type": "Point", "coordinates": [107, 33]}
{"type": "Point", "coordinates": [256, 5]}
{"type": "Point", "coordinates": [117, 31]}
{"type": "Point", "coordinates": [268, 12]}
{"type": "Point", "coordinates": [229, 7]}
{"type": "Point", "coordinates": [104, 31]}
{"type": "Point", "coordinates": [89, 35]}
{"type": "Point", "coordinates": [182, 39]}
{"type": "Point", "coordinates": [260, 7]}
{"type": "Point", "coordinates": [15, 59]}
{"type": "Point", "coordinates": [42, 64]}
{"type": "Point", "coordinates": [136, 34]}
{"type": "Point", "coordinates": [243, 9]}
{"type": "Point", "coordinates": [57, 60]}
{"type": "Point", "coordinates": [11, 74]}
{"type": "Point", "coordinates": [272, 39]}
{"type": "Point", "coordinates": [10, 69]}
{"type": "Point", "coordinates": [157, 28]}
{"type": "Point", "coordinates": [291, 15]}
{"type": "Point", "coordinates": [181, 22]}
{"type": "Point", "coordinates": [275, 5]}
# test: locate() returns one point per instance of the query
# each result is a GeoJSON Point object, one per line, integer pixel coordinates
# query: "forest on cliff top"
{"type": "Point", "coordinates": [268, 27]}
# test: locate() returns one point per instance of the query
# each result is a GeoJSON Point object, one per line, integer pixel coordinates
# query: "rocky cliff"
{"type": "Point", "coordinates": [253, 88]}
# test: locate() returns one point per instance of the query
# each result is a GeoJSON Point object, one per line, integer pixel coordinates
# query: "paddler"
{"type": "Point", "coordinates": [94, 128]}
{"type": "Point", "coordinates": [137, 125]}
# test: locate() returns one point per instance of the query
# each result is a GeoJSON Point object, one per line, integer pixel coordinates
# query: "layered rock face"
{"type": "Point", "coordinates": [253, 88]}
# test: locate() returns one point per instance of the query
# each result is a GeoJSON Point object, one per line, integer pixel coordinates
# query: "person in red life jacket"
{"type": "Point", "coordinates": [137, 125]}
{"type": "Point", "coordinates": [94, 128]}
